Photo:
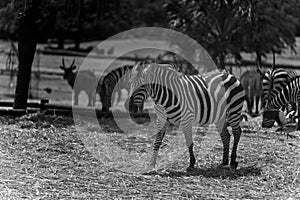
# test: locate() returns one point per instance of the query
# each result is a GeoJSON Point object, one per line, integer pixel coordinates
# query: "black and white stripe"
{"type": "Point", "coordinates": [273, 83]}
{"type": "Point", "coordinates": [276, 101]}
{"type": "Point", "coordinates": [181, 99]}
{"type": "Point", "coordinates": [114, 81]}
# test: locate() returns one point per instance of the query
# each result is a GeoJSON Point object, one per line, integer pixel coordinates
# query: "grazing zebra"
{"type": "Point", "coordinates": [289, 93]}
{"type": "Point", "coordinates": [86, 81]}
{"type": "Point", "coordinates": [251, 82]}
{"type": "Point", "coordinates": [273, 83]}
{"type": "Point", "coordinates": [115, 96]}
{"type": "Point", "coordinates": [116, 78]}
{"type": "Point", "coordinates": [184, 100]}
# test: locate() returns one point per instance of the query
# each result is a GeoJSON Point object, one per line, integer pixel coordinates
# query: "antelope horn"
{"type": "Point", "coordinates": [63, 62]}
{"type": "Point", "coordinates": [73, 62]}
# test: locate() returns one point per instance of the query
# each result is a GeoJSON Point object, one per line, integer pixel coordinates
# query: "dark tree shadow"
{"type": "Point", "coordinates": [214, 172]}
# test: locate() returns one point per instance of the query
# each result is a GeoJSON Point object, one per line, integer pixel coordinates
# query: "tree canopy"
{"type": "Point", "coordinates": [61, 17]}
{"type": "Point", "coordinates": [227, 27]}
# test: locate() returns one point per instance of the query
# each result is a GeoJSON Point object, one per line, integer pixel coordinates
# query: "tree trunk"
{"type": "Point", "coordinates": [79, 25]}
{"type": "Point", "coordinates": [221, 64]}
{"type": "Point", "coordinates": [258, 58]}
{"type": "Point", "coordinates": [274, 57]}
{"type": "Point", "coordinates": [28, 23]}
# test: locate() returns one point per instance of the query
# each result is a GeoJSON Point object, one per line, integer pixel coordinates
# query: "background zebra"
{"type": "Point", "coordinates": [185, 100]}
{"type": "Point", "coordinates": [290, 93]}
{"type": "Point", "coordinates": [273, 82]}
{"type": "Point", "coordinates": [116, 80]}
{"type": "Point", "coordinates": [251, 82]}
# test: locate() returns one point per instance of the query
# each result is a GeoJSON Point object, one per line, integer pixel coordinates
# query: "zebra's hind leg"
{"type": "Point", "coordinates": [187, 129]}
{"type": "Point", "coordinates": [298, 105]}
{"type": "Point", "coordinates": [234, 121]}
{"type": "Point", "coordinates": [236, 134]}
{"type": "Point", "coordinates": [225, 136]}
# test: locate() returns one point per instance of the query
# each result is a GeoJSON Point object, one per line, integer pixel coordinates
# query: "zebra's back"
{"type": "Point", "coordinates": [209, 98]}
{"type": "Point", "coordinates": [116, 80]}
{"type": "Point", "coordinates": [275, 80]}
{"type": "Point", "coordinates": [226, 96]}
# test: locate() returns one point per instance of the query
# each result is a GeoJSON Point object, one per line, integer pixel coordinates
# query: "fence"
{"type": "Point", "coordinates": [47, 82]}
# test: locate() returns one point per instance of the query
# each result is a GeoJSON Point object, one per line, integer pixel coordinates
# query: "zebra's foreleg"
{"type": "Point", "coordinates": [75, 96]}
{"type": "Point", "coordinates": [187, 128]}
{"type": "Point", "coordinates": [257, 108]}
{"type": "Point", "coordinates": [162, 127]}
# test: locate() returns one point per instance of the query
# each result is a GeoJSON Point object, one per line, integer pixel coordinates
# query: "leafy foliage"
{"type": "Point", "coordinates": [60, 18]}
{"type": "Point", "coordinates": [8, 15]}
{"type": "Point", "coordinates": [226, 27]}
{"type": "Point", "coordinates": [271, 26]}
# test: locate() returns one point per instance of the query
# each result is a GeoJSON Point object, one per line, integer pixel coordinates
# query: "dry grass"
{"type": "Point", "coordinates": [43, 157]}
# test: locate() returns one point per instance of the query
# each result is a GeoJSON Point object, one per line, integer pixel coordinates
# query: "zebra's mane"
{"type": "Point", "coordinates": [170, 67]}
{"type": "Point", "coordinates": [294, 78]}
{"type": "Point", "coordinates": [122, 69]}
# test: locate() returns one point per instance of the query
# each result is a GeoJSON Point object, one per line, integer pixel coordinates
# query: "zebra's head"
{"type": "Point", "coordinates": [134, 103]}
{"type": "Point", "coordinates": [270, 116]}
{"type": "Point", "coordinates": [139, 75]}
{"type": "Point", "coordinates": [137, 93]}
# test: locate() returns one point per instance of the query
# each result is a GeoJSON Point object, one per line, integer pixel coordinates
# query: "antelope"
{"type": "Point", "coordinates": [86, 82]}
{"type": "Point", "coordinates": [252, 84]}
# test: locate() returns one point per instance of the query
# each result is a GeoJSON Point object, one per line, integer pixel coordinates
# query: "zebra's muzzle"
{"type": "Point", "coordinates": [270, 116]}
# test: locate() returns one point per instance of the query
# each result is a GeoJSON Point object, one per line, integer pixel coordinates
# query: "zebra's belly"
{"type": "Point", "coordinates": [206, 113]}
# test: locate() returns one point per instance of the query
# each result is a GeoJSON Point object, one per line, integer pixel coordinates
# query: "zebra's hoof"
{"type": "Point", "coordinates": [234, 165]}
{"type": "Point", "coordinates": [189, 169]}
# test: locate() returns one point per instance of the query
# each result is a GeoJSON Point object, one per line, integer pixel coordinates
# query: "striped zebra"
{"type": "Point", "coordinates": [140, 95]}
{"type": "Point", "coordinates": [289, 93]}
{"type": "Point", "coordinates": [186, 100]}
{"type": "Point", "coordinates": [116, 80]}
{"type": "Point", "coordinates": [273, 83]}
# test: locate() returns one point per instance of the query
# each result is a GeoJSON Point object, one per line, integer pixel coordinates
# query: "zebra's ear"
{"type": "Point", "coordinates": [147, 68]}
{"type": "Point", "coordinates": [139, 67]}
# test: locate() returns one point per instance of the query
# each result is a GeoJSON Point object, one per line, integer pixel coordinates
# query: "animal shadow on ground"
{"type": "Point", "coordinates": [109, 125]}
{"type": "Point", "coordinates": [213, 172]}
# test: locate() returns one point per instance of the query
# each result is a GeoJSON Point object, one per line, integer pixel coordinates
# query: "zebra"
{"type": "Point", "coordinates": [115, 80]}
{"type": "Point", "coordinates": [186, 99]}
{"type": "Point", "coordinates": [273, 83]}
{"type": "Point", "coordinates": [289, 93]}
{"type": "Point", "coordinates": [140, 95]}
{"type": "Point", "coordinates": [252, 84]}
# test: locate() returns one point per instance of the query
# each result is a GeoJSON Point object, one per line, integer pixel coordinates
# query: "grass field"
{"type": "Point", "coordinates": [45, 157]}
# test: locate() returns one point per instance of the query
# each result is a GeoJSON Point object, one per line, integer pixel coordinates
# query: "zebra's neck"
{"type": "Point", "coordinates": [119, 75]}
{"type": "Point", "coordinates": [161, 84]}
